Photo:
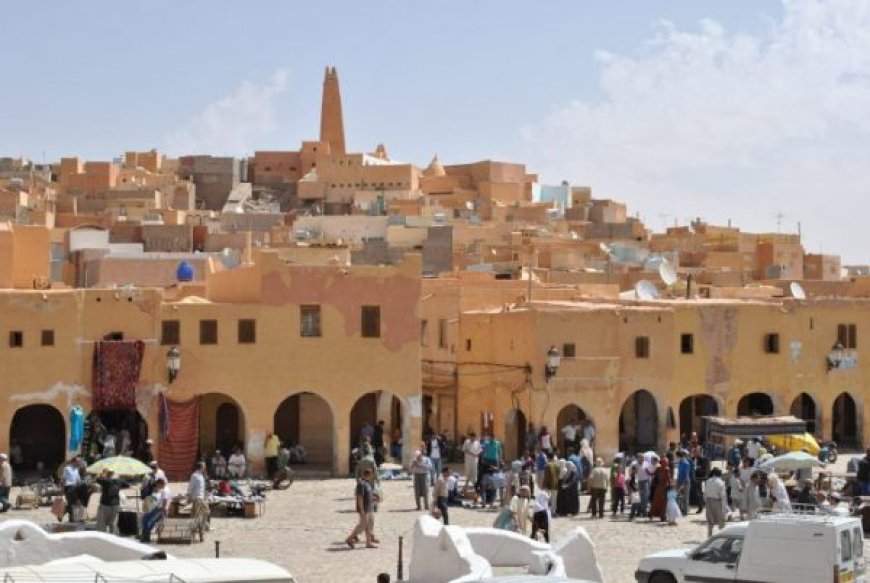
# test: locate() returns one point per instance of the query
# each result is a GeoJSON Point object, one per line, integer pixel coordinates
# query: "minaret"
{"type": "Point", "coordinates": [331, 121]}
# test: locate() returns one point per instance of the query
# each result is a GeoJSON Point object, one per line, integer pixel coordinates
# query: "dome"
{"type": "Point", "coordinates": [184, 272]}
{"type": "Point", "coordinates": [434, 168]}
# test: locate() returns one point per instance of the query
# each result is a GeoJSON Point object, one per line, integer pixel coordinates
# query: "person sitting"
{"type": "Point", "coordinates": [218, 465]}
{"type": "Point", "coordinates": [228, 488]}
{"type": "Point", "coordinates": [237, 464]}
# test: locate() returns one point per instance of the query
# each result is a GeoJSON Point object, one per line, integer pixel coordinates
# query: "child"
{"type": "Point", "coordinates": [541, 517]}
{"type": "Point", "coordinates": [519, 507]}
{"type": "Point", "coordinates": [672, 511]}
{"type": "Point", "coordinates": [618, 492]}
{"type": "Point", "coordinates": [633, 494]}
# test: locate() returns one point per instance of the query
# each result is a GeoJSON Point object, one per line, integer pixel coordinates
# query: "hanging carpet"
{"type": "Point", "coordinates": [116, 373]}
{"type": "Point", "coordinates": [179, 437]}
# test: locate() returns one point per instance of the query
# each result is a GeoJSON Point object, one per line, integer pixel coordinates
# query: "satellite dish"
{"type": "Point", "coordinates": [646, 290]}
{"type": "Point", "coordinates": [667, 273]}
{"type": "Point", "coordinates": [469, 205]}
{"type": "Point", "coordinates": [574, 235]}
{"type": "Point", "coordinates": [797, 291]}
{"type": "Point", "coordinates": [604, 247]}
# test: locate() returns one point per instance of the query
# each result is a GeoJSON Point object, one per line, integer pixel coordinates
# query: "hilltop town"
{"type": "Point", "coordinates": [203, 302]}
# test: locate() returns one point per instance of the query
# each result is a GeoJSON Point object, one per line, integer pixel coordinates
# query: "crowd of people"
{"type": "Point", "coordinates": [547, 481]}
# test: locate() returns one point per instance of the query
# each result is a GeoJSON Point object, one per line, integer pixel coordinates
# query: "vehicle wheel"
{"type": "Point", "coordinates": [661, 577]}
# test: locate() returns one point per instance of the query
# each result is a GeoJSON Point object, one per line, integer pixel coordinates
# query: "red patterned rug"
{"type": "Point", "coordinates": [116, 373]}
{"type": "Point", "coordinates": [180, 440]}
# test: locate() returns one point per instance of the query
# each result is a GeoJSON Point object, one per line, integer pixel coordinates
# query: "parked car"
{"type": "Point", "coordinates": [778, 547]}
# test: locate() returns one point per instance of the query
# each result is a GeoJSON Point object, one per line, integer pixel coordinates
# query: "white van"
{"type": "Point", "coordinates": [797, 548]}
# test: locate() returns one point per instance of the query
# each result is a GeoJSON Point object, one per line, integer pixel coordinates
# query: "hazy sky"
{"type": "Point", "coordinates": [729, 109]}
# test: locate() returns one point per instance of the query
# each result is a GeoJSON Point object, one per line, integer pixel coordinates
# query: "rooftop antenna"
{"type": "Point", "coordinates": [779, 217]}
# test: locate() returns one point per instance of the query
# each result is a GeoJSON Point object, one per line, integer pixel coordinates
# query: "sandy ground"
{"type": "Point", "coordinates": [303, 529]}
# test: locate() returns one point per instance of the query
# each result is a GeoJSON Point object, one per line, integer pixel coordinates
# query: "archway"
{"type": "Point", "coordinates": [755, 404]}
{"type": "Point", "coordinates": [639, 422]}
{"type": "Point", "coordinates": [372, 408]}
{"type": "Point", "coordinates": [40, 431]}
{"type": "Point", "coordinates": [804, 407]}
{"type": "Point", "coordinates": [221, 424]}
{"type": "Point", "coordinates": [844, 421]}
{"type": "Point", "coordinates": [127, 426]}
{"type": "Point", "coordinates": [692, 409]}
{"type": "Point", "coordinates": [515, 434]}
{"type": "Point", "coordinates": [306, 419]}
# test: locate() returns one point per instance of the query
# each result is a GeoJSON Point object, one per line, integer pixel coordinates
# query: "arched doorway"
{"type": "Point", "coordinates": [306, 419]}
{"type": "Point", "coordinates": [755, 404]}
{"type": "Point", "coordinates": [127, 426]}
{"type": "Point", "coordinates": [692, 409]}
{"type": "Point", "coordinates": [804, 407]}
{"type": "Point", "coordinates": [844, 421]}
{"type": "Point", "coordinates": [515, 425]}
{"type": "Point", "coordinates": [372, 408]}
{"type": "Point", "coordinates": [221, 425]}
{"type": "Point", "coordinates": [40, 431]}
{"type": "Point", "coordinates": [639, 423]}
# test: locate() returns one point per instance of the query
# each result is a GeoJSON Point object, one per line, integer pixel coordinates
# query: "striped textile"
{"type": "Point", "coordinates": [179, 446]}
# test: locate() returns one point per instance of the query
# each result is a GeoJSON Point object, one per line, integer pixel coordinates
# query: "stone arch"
{"type": "Point", "coordinates": [570, 413]}
{"type": "Point", "coordinates": [307, 419]}
{"type": "Point", "coordinates": [844, 421]}
{"type": "Point", "coordinates": [804, 407]}
{"type": "Point", "coordinates": [515, 425]}
{"type": "Point", "coordinates": [639, 422]}
{"type": "Point", "coordinates": [221, 424]}
{"type": "Point", "coordinates": [755, 404]}
{"type": "Point", "coordinates": [692, 409]}
{"type": "Point", "coordinates": [40, 431]}
{"type": "Point", "coordinates": [385, 406]}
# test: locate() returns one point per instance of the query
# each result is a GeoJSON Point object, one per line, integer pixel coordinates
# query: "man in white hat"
{"type": "Point", "coordinates": [5, 482]}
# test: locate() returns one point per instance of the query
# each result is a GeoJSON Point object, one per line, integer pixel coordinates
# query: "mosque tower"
{"type": "Point", "coordinates": [331, 121]}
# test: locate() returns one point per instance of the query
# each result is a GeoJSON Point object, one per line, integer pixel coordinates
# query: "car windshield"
{"type": "Point", "coordinates": [719, 549]}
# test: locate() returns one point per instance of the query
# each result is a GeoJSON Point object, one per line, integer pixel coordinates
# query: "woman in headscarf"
{"type": "Point", "coordinates": [778, 493]}
{"type": "Point", "coordinates": [661, 481]}
{"type": "Point", "coordinates": [568, 498]}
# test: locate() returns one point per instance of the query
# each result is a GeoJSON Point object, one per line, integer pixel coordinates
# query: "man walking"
{"type": "Point", "coordinates": [598, 479]}
{"type": "Point", "coordinates": [5, 482]}
{"type": "Point", "coordinates": [365, 504]}
{"type": "Point", "coordinates": [471, 450]}
{"type": "Point", "coordinates": [684, 480]}
{"type": "Point", "coordinates": [441, 493]}
{"type": "Point", "coordinates": [271, 447]}
{"type": "Point", "coordinates": [70, 481]}
{"type": "Point", "coordinates": [196, 495]}
{"type": "Point", "coordinates": [714, 494]}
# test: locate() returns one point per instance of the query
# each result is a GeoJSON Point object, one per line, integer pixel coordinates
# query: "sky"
{"type": "Point", "coordinates": [754, 111]}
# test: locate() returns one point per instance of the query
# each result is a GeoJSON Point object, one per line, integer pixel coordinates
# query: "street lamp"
{"type": "Point", "coordinates": [173, 363]}
{"type": "Point", "coordinates": [554, 360]}
{"type": "Point", "coordinates": [837, 356]}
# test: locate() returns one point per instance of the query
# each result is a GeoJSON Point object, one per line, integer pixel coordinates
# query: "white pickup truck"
{"type": "Point", "coordinates": [787, 547]}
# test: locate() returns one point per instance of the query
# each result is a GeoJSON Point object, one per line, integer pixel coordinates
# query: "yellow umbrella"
{"type": "Point", "coordinates": [121, 465]}
{"type": "Point", "coordinates": [795, 442]}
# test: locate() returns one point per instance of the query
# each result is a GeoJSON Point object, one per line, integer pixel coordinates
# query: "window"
{"type": "Point", "coordinates": [442, 333]}
{"type": "Point", "coordinates": [847, 335]}
{"type": "Point", "coordinates": [309, 319]}
{"type": "Point", "coordinates": [170, 332]}
{"type": "Point", "coordinates": [371, 321]}
{"type": "Point", "coordinates": [641, 347]}
{"type": "Point", "coordinates": [16, 339]}
{"type": "Point", "coordinates": [771, 343]}
{"type": "Point", "coordinates": [468, 345]}
{"type": "Point", "coordinates": [47, 338]}
{"type": "Point", "coordinates": [208, 332]}
{"type": "Point", "coordinates": [247, 331]}
{"type": "Point", "coordinates": [720, 549]}
{"type": "Point", "coordinates": [845, 545]}
{"type": "Point", "coordinates": [687, 343]}
{"type": "Point", "coordinates": [857, 542]}
{"type": "Point", "coordinates": [424, 332]}
{"type": "Point", "coordinates": [568, 350]}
